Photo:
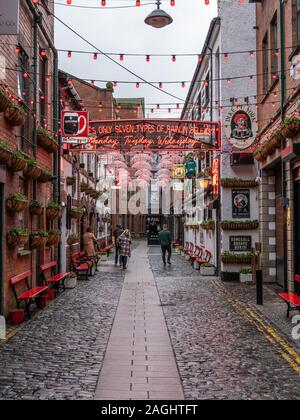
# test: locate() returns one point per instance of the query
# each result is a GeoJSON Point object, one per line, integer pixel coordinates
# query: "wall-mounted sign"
{"type": "Point", "coordinates": [9, 17]}
{"type": "Point", "coordinates": [154, 135]}
{"type": "Point", "coordinates": [241, 127]}
{"type": "Point", "coordinates": [241, 204]}
{"type": "Point", "coordinates": [190, 168]}
{"type": "Point", "coordinates": [75, 124]}
{"type": "Point", "coordinates": [216, 176]}
{"type": "Point", "coordinates": [240, 243]}
{"type": "Point", "coordinates": [74, 140]}
{"type": "Point", "coordinates": [179, 172]}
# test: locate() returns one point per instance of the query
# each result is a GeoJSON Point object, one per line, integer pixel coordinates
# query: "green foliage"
{"type": "Point", "coordinates": [246, 271]}
{"type": "Point", "coordinates": [54, 232]}
{"type": "Point", "coordinates": [18, 232]}
{"type": "Point", "coordinates": [17, 197]}
{"type": "Point", "coordinates": [36, 204]}
{"type": "Point", "coordinates": [39, 234]}
{"type": "Point", "coordinates": [54, 206]}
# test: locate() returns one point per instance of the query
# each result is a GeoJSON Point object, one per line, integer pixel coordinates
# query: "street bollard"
{"type": "Point", "coordinates": [259, 288]}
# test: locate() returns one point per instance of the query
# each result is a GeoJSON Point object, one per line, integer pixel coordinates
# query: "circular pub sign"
{"type": "Point", "coordinates": [241, 127]}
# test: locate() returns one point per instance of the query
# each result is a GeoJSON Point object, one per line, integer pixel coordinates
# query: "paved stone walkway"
{"type": "Point", "coordinates": [139, 361]}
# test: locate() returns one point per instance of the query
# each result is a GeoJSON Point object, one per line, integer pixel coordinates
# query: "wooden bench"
{"type": "Point", "coordinates": [57, 280]}
{"type": "Point", "coordinates": [292, 299]}
{"type": "Point", "coordinates": [95, 260]}
{"type": "Point", "coordinates": [82, 268]}
{"type": "Point", "coordinates": [32, 293]}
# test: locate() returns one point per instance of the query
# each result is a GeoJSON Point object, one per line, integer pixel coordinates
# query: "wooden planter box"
{"type": "Point", "coordinates": [235, 260]}
{"type": "Point", "coordinates": [238, 183]}
{"type": "Point", "coordinates": [16, 164]}
{"type": "Point", "coordinates": [242, 226]}
{"type": "Point", "coordinates": [14, 117]}
{"type": "Point", "coordinates": [16, 206]}
{"type": "Point", "coordinates": [36, 242]}
{"type": "Point", "coordinates": [211, 226]}
{"type": "Point", "coordinates": [5, 155]}
{"type": "Point", "coordinates": [52, 214]}
{"type": "Point", "coordinates": [36, 211]}
{"type": "Point", "coordinates": [32, 172]}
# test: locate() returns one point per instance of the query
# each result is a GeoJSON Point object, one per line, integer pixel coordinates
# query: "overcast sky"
{"type": "Point", "coordinates": [124, 31]}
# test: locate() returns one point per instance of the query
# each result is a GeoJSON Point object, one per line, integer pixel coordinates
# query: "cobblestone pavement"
{"type": "Point", "coordinates": [223, 349]}
{"type": "Point", "coordinates": [59, 353]}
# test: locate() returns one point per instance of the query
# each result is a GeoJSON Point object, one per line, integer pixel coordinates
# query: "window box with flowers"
{"type": "Point", "coordinates": [77, 213]}
{"type": "Point", "coordinates": [46, 141]}
{"type": "Point", "coordinates": [53, 211]}
{"type": "Point", "coordinates": [290, 127]}
{"type": "Point", "coordinates": [4, 100]}
{"type": "Point", "coordinates": [17, 237]}
{"type": "Point", "coordinates": [236, 258]}
{"type": "Point", "coordinates": [54, 237]}
{"type": "Point", "coordinates": [239, 225]}
{"type": "Point", "coordinates": [17, 162]}
{"type": "Point", "coordinates": [15, 115]}
{"type": "Point", "coordinates": [36, 208]}
{"type": "Point", "coordinates": [37, 239]}
{"type": "Point", "coordinates": [194, 226]}
{"type": "Point", "coordinates": [208, 225]}
{"type": "Point", "coordinates": [238, 183]}
{"type": "Point", "coordinates": [16, 202]}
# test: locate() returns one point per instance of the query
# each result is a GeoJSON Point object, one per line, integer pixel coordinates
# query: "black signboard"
{"type": "Point", "coordinates": [241, 204]}
{"type": "Point", "coordinates": [240, 243]}
{"type": "Point", "coordinates": [153, 229]}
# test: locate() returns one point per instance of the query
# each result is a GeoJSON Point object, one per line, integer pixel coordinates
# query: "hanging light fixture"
{"type": "Point", "coordinates": [158, 18]}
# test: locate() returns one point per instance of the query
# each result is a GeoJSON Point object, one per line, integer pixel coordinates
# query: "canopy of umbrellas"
{"type": "Point", "coordinates": [141, 168]}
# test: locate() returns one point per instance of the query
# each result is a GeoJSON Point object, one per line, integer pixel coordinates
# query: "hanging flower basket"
{"type": "Point", "coordinates": [208, 225]}
{"type": "Point", "coordinates": [32, 171]}
{"type": "Point", "coordinates": [15, 115]}
{"type": "Point", "coordinates": [77, 213]}
{"type": "Point", "coordinates": [36, 208]}
{"type": "Point", "coordinates": [35, 241]}
{"type": "Point", "coordinates": [45, 176]}
{"type": "Point", "coordinates": [276, 140]}
{"type": "Point", "coordinates": [16, 203]}
{"type": "Point", "coordinates": [238, 183]}
{"type": "Point", "coordinates": [232, 258]}
{"type": "Point", "coordinates": [5, 153]}
{"type": "Point", "coordinates": [17, 237]}
{"type": "Point", "coordinates": [71, 180]}
{"type": "Point", "coordinates": [16, 163]}
{"type": "Point", "coordinates": [4, 101]}
{"type": "Point", "coordinates": [46, 141]}
{"type": "Point", "coordinates": [53, 238]}
{"type": "Point", "coordinates": [290, 127]}
{"type": "Point", "coordinates": [72, 240]}
{"type": "Point", "coordinates": [241, 225]}
{"type": "Point", "coordinates": [84, 187]}
{"type": "Point", "coordinates": [53, 211]}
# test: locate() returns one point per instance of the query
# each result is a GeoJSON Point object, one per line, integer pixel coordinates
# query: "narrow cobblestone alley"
{"type": "Point", "coordinates": [160, 334]}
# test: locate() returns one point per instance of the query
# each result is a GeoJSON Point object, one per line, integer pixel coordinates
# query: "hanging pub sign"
{"type": "Point", "coordinates": [216, 176]}
{"type": "Point", "coordinates": [179, 172]}
{"type": "Point", "coordinates": [241, 127]}
{"type": "Point", "coordinates": [240, 243]}
{"type": "Point", "coordinates": [153, 135]}
{"type": "Point", "coordinates": [241, 204]}
{"type": "Point", "coordinates": [75, 125]}
{"type": "Point", "coordinates": [9, 17]}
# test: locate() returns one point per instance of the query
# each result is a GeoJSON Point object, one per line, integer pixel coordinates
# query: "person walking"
{"type": "Point", "coordinates": [165, 240]}
{"type": "Point", "coordinates": [117, 233]}
{"type": "Point", "coordinates": [124, 243]}
{"type": "Point", "coordinates": [89, 242]}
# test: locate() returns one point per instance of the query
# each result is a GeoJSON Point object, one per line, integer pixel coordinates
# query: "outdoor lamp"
{"type": "Point", "coordinates": [158, 18]}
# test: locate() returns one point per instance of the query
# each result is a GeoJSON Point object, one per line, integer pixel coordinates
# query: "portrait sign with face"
{"type": "Point", "coordinates": [241, 127]}
{"type": "Point", "coordinates": [241, 204]}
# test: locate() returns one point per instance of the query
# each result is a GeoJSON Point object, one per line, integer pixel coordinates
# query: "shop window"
{"type": "Point", "coordinates": [43, 90]}
{"type": "Point", "coordinates": [25, 143]}
{"type": "Point", "coordinates": [274, 45]}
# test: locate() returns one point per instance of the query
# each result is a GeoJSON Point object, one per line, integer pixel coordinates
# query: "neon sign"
{"type": "Point", "coordinates": [154, 135]}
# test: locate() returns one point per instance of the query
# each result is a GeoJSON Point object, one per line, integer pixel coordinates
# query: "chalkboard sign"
{"type": "Point", "coordinates": [241, 204]}
{"type": "Point", "coordinates": [240, 243]}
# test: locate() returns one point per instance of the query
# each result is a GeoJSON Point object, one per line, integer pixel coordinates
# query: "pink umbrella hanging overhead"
{"type": "Point", "coordinates": [142, 165]}
{"type": "Point", "coordinates": [141, 158]}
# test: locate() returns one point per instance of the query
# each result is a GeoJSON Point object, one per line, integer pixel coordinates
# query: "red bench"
{"type": "Point", "coordinates": [206, 258]}
{"type": "Point", "coordinates": [292, 299]}
{"type": "Point", "coordinates": [32, 293]}
{"type": "Point", "coordinates": [82, 267]}
{"type": "Point", "coordinates": [57, 280]}
{"type": "Point", "coordinates": [197, 254]}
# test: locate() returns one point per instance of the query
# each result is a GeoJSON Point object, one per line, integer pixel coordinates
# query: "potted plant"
{"type": "Point", "coordinates": [16, 202]}
{"type": "Point", "coordinates": [71, 180]}
{"type": "Point", "coordinates": [45, 176]}
{"type": "Point", "coordinates": [17, 237]}
{"type": "Point", "coordinates": [4, 101]}
{"type": "Point", "coordinates": [36, 208]}
{"type": "Point", "coordinates": [246, 276]}
{"type": "Point", "coordinates": [5, 153]}
{"type": "Point", "coordinates": [71, 281]}
{"type": "Point", "coordinates": [46, 141]}
{"type": "Point", "coordinates": [290, 127]}
{"type": "Point", "coordinates": [207, 270]}
{"type": "Point", "coordinates": [53, 237]}
{"type": "Point", "coordinates": [32, 171]}
{"type": "Point", "coordinates": [15, 115]}
{"type": "Point", "coordinates": [72, 239]}
{"type": "Point", "coordinates": [77, 213]}
{"type": "Point", "coordinates": [53, 211]}
{"type": "Point", "coordinates": [17, 162]}
{"type": "Point", "coordinates": [37, 239]}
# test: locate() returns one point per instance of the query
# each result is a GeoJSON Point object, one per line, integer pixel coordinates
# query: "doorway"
{"type": "Point", "coordinates": [297, 227]}
{"type": "Point", "coordinates": [1, 253]}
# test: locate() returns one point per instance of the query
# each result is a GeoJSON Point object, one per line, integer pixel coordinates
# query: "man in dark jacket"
{"type": "Point", "coordinates": [117, 233]}
{"type": "Point", "coordinates": [165, 239]}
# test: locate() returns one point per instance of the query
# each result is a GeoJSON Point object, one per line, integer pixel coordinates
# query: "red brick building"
{"type": "Point", "coordinates": [278, 45]}
{"type": "Point", "coordinates": [28, 103]}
